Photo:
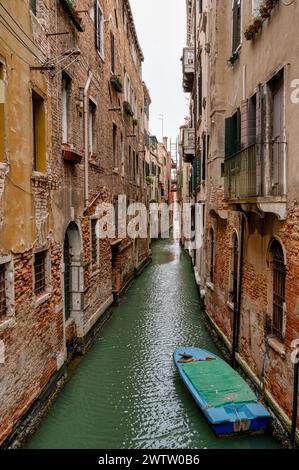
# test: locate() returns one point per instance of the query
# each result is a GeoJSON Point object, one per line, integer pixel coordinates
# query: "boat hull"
{"type": "Point", "coordinates": [231, 418]}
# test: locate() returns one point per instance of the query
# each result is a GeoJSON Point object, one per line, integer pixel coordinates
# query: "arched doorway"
{"type": "Point", "coordinates": [73, 271]}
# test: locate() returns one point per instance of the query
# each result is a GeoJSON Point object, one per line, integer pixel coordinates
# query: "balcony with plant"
{"type": "Point", "coordinates": [117, 83]}
{"type": "Point", "coordinates": [128, 108]}
{"type": "Point", "coordinates": [69, 8]}
{"type": "Point", "coordinates": [264, 13]}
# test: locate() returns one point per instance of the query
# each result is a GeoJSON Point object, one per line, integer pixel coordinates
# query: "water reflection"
{"type": "Point", "coordinates": [126, 392]}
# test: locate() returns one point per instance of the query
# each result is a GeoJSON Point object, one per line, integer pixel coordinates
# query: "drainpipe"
{"type": "Point", "coordinates": [295, 403]}
{"type": "Point", "coordinates": [237, 306]}
{"type": "Point", "coordinates": [195, 109]}
{"type": "Point", "coordinates": [86, 149]}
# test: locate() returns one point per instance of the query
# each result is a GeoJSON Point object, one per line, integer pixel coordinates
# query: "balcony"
{"type": "Point", "coordinates": [256, 175]}
{"type": "Point", "coordinates": [188, 69]}
{"type": "Point", "coordinates": [188, 144]}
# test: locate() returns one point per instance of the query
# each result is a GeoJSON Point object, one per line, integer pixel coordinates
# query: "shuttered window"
{"type": "Point", "coordinates": [233, 134]}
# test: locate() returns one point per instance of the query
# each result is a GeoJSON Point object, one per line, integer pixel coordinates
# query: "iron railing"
{"type": "Point", "coordinates": [188, 69]}
{"type": "Point", "coordinates": [256, 171]}
{"type": "Point", "coordinates": [188, 143]}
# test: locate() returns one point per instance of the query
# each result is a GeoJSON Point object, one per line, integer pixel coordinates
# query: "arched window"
{"type": "Point", "coordinates": [211, 254]}
{"type": "Point", "coordinates": [279, 278]}
{"type": "Point", "coordinates": [234, 268]}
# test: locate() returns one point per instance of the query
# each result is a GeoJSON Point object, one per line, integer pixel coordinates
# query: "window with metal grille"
{"type": "Point", "coordinates": [2, 291]}
{"type": "Point", "coordinates": [279, 277]}
{"type": "Point", "coordinates": [40, 272]}
{"type": "Point", "coordinates": [94, 242]}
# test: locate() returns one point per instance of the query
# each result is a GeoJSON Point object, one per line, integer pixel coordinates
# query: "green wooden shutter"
{"type": "Point", "coordinates": [229, 137]}
{"type": "Point", "coordinates": [238, 132]}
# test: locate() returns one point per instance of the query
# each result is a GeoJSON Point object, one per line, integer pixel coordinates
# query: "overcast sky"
{"type": "Point", "coordinates": [161, 29]}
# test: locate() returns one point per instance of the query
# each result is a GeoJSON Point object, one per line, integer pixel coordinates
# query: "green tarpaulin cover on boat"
{"type": "Point", "coordinates": [218, 383]}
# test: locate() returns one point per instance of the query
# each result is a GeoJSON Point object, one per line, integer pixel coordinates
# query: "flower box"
{"type": "Point", "coordinates": [116, 82]}
{"type": "Point", "coordinates": [128, 108]}
{"type": "Point", "coordinates": [70, 154]}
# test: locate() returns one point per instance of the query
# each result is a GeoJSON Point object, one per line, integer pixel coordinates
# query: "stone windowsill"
{"type": "Point", "coordinates": [277, 346]}
{"type": "Point", "coordinates": [39, 175]}
{"type": "Point", "coordinates": [6, 324]}
{"type": "Point", "coordinates": [210, 286]}
{"type": "Point", "coordinates": [42, 298]}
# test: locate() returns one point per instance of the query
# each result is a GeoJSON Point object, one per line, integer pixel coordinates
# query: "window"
{"type": "Point", "coordinates": [114, 146]}
{"type": "Point", "coordinates": [33, 6]}
{"type": "Point", "coordinates": [92, 129]}
{"type": "Point", "coordinates": [251, 122]}
{"type": "Point", "coordinates": [122, 143]}
{"type": "Point", "coordinates": [94, 242]}
{"type": "Point", "coordinates": [2, 114]}
{"type": "Point", "coordinates": [40, 272]}
{"type": "Point", "coordinates": [2, 291]}
{"type": "Point", "coordinates": [236, 24]}
{"type": "Point", "coordinates": [39, 133]}
{"type": "Point", "coordinates": [130, 161]}
{"type": "Point", "coordinates": [279, 279]}
{"type": "Point", "coordinates": [112, 43]}
{"type": "Point", "coordinates": [66, 112]}
{"type": "Point", "coordinates": [274, 125]}
{"type": "Point", "coordinates": [233, 134]}
{"type": "Point", "coordinates": [211, 260]}
{"type": "Point", "coordinates": [234, 269]}
{"type": "Point", "coordinates": [99, 29]}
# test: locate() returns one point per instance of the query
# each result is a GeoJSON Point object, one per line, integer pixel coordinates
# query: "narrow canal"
{"type": "Point", "coordinates": [126, 392]}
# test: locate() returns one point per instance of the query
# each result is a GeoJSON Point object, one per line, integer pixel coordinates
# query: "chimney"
{"type": "Point", "coordinates": [165, 142]}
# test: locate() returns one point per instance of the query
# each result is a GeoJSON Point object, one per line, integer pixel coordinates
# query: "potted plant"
{"type": "Point", "coordinates": [234, 58]}
{"type": "Point", "coordinates": [265, 10]}
{"type": "Point", "coordinates": [149, 180]}
{"type": "Point", "coordinates": [128, 108]}
{"type": "Point", "coordinates": [249, 32]}
{"type": "Point", "coordinates": [116, 83]}
{"type": "Point", "coordinates": [257, 23]}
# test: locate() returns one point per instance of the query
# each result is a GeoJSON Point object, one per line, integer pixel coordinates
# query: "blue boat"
{"type": "Point", "coordinates": [226, 400]}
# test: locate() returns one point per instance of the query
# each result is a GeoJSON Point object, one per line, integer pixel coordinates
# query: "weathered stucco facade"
{"type": "Point", "coordinates": [251, 283]}
{"type": "Point", "coordinates": [72, 137]}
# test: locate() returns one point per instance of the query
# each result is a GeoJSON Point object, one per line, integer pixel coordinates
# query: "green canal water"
{"type": "Point", "coordinates": [126, 392]}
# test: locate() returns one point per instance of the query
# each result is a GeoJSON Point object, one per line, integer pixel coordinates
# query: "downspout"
{"type": "Point", "coordinates": [195, 109]}
{"type": "Point", "coordinates": [237, 306]}
{"type": "Point", "coordinates": [86, 149]}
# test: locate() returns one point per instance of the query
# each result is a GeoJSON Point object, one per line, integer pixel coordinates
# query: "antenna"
{"type": "Point", "coordinates": [161, 118]}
